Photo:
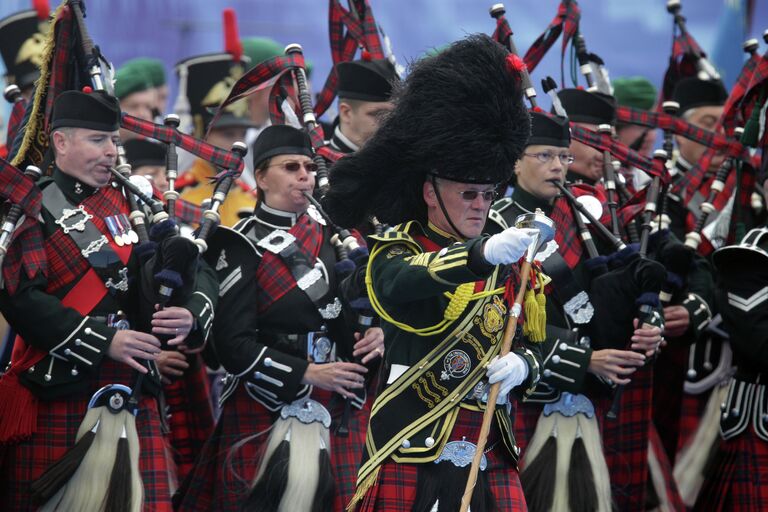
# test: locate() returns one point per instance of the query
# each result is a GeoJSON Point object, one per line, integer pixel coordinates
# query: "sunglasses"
{"type": "Point", "coordinates": [310, 167]}
{"type": "Point", "coordinates": [471, 195]}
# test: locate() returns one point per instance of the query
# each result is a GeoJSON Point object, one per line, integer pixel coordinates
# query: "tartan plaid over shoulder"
{"type": "Point", "coordinates": [274, 278]}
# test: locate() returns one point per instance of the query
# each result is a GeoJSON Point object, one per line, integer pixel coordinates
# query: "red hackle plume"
{"type": "Point", "coordinates": [515, 63]}
{"type": "Point", "coordinates": [232, 44]}
{"type": "Point", "coordinates": [366, 55]}
{"type": "Point", "coordinates": [87, 89]}
{"type": "Point", "coordinates": [42, 8]}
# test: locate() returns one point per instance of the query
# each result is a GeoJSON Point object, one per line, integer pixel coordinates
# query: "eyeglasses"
{"type": "Point", "coordinates": [471, 195]}
{"type": "Point", "coordinates": [547, 156]}
{"type": "Point", "coordinates": [310, 167]}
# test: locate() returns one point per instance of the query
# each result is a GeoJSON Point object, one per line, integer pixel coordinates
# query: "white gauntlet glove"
{"type": "Point", "coordinates": [508, 246]}
{"type": "Point", "coordinates": [511, 370]}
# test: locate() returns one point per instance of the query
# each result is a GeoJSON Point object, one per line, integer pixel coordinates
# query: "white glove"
{"type": "Point", "coordinates": [508, 246]}
{"type": "Point", "coordinates": [511, 370]}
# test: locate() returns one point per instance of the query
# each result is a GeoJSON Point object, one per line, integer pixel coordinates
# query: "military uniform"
{"type": "Point", "coordinates": [280, 309]}
{"type": "Point", "coordinates": [187, 399]}
{"type": "Point", "coordinates": [441, 302]}
{"type": "Point", "coordinates": [737, 478]}
{"type": "Point", "coordinates": [66, 320]}
{"type": "Point", "coordinates": [578, 322]}
{"type": "Point", "coordinates": [209, 79]}
{"type": "Point", "coordinates": [438, 414]}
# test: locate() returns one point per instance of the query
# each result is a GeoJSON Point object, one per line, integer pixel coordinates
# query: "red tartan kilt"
{"type": "Point", "coordinates": [221, 478]}
{"type": "Point", "coordinates": [526, 417]}
{"type": "Point", "coordinates": [740, 481]}
{"type": "Point", "coordinates": [57, 425]}
{"type": "Point", "coordinates": [625, 441]}
{"type": "Point", "coordinates": [395, 488]}
{"type": "Point", "coordinates": [190, 416]}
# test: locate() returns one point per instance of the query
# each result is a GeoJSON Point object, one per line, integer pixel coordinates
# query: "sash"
{"type": "Point", "coordinates": [93, 244]}
{"type": "Point", "coordinates": [18, 408]}
{"type": "Point", "coordinates": [433, 388]}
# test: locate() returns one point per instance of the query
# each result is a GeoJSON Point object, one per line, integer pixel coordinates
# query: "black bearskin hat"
{"type": "Point", "coordinates": [459, 115]}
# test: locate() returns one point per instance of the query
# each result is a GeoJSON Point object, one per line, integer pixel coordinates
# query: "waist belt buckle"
{"type": "Point", "coordinates": [460, 454]}
{"type": "Point", "coordinates": [320, 348]}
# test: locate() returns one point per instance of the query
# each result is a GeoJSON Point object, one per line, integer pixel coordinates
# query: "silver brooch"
{"type": "Point", "coordinates": [276, 241]}
{"type": "Point", "coordinates": [307, 411]}
{"type": "Point", "coordinates": [570, 405]}
{"type": "Point", "coordinates": [579, 309]}
{"type": "Point", "coordinates": [332, 310]}
{"type": "Point", "coordinates": [78, 225]}
{"type": "Point", "coordinates": [460, 454]}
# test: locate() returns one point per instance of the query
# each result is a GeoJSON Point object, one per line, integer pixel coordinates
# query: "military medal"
{"type": "Point", "coordinates": [132, 235]}
{"type": "Point", "coordinates": [114, 230]}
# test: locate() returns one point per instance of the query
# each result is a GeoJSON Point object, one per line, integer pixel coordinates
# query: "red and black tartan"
{"type": "Point", "coordinates": [274, 278]}
{"type": "Point", "coordinates": [627, 156]}
{"type": "Point", "coordinates": [739, 479]}
{"type": "Point", "coordinates": [224, 472]}
{"type": "Point", "coordinates": [679, 126]}
{"type": "Point", "coordinates": [190, 415]}
{"type": "Point", "coordinates": [58, 421]}
{"type": "Point", "coordinates": [361, 33]}
{"type": "Point", "coordinates": [14, 122]}
{"type": "Point", "coordinates": [566, 21]}
{"type": "Point", "coordinates": [625, 441]}
{"type": "Point", "coordinates": [66, 263]}
{"type": "Point", "coordinates": [208, 152]}
{"type": "Point", "coordinates": [668, 381]}
{"type": "Point", "coordinates": [396, 485]}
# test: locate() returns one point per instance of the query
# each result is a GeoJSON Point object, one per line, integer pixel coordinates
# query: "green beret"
{"type": "Point", "coordinates": [130, 79]}
{"type": "Point", "coordinates": [635, 91]}
{"type": "Point", "coordinates": [154, 68]}
{"type": "Point", "coordinates": [260, 49]}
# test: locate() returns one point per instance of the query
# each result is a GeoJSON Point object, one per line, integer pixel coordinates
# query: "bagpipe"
{"type": "Point", "coordinates": [107, 441]}
{"type": "Point", "coordinates": [624, 285]}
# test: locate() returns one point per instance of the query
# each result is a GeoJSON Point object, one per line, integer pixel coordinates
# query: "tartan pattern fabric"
{"type": "Point", "coordinates": [567, 238]}
{"type": "Point", "coordinates": [346, 452]}
{"type": "Point", "coordinates": [739, 480]}
{"type": "Point", "coordinates": [217, 156]}
{"type": "Point", "coordinates": [269, 73]}
{"type": "Point", "coordinates": [274, 278]}
{"type": "Point", "coordinates": [361, 32]}
{"type": "Point", "coordinates": [668, 381]}
{"type": "Point", "coordinates": [57, 74]}
{"type": "Point", "coordinates": [19, 189]}
{"type": "Point", "coordinates": [396, 486]}
{"type": "Point", "coordinates": [58, 421]}
{"type": "Point", "coordinates": [66, 263]}
{"type": "Point", "coordinates": [625, 441]}
{"type": "Point", "coordinates": [737, 109]}
{"type": "Point", "coordinates": [189, 213]}
{"type": "Point", "coordinates": [628, 157]}
{"type": "Point", "coordinates": [683, 128]}
{"type": "Point", "coordinates": [27, 252]}
{"type": "Point", "coordinates": [223, 473]}
{"type": "Point", "coordinates": [330, 154]}
{"type": "Point", "coordinates": [566, 21]}
{"type": "Point", "coordinates": [15, 119]}
{"type": "Point", "coordinates": [190, 415]}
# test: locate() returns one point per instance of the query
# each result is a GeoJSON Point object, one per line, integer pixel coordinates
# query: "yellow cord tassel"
{"type": "Point", "coordinates": [535, 325]}
{"type": "Point", "coordinates": [363, 486]}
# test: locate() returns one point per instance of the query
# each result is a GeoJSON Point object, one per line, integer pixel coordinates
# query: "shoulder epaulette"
{"type": "Point", "coordinates": [399, 233]}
